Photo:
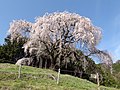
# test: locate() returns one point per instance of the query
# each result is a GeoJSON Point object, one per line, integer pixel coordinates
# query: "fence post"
{"type": "Point", "coordinates": [98, 81]}
{"type": "Point", "coordinates": [58, 78]}
{"type": "Point", "coordinates": [19, 71]}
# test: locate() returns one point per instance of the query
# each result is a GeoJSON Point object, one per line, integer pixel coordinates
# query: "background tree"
{"type": "Point", "coordinates": [11, 52]}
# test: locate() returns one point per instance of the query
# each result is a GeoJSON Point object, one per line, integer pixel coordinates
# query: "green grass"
{"type": "Point", "coordinates": [39, 79]}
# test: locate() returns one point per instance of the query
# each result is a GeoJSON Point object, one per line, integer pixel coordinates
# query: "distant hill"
{"type": "Point", "coordinates": [41, 79]}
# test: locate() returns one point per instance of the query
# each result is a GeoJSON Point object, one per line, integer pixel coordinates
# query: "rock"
{"type": "Point", "coordinates": [24, 61]}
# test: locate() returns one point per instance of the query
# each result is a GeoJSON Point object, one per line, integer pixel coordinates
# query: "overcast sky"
{"type": "Point", "coordinates": [103, 13]}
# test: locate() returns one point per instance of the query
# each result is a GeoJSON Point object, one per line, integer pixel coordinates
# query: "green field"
{"type": "Point", "coordinates": [40, 79]}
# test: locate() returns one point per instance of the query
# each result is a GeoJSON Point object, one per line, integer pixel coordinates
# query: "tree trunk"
{"type": "Point", "coordinates": [65, 64]}
{"type": "Point", "coordinates": [40, 64]}
{"type": "Point", "coordinates": [45, 63]}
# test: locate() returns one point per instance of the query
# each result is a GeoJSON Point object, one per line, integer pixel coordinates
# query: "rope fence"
{"type": "Point", "coordinates": [54, 76]}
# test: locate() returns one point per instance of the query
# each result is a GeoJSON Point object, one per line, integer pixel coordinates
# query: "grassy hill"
{"type": "Point", "coordinates": [40, 79]}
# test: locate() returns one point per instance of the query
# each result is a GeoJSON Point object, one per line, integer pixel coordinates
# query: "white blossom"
{"type": "Point", "coordinates": [71, 27]}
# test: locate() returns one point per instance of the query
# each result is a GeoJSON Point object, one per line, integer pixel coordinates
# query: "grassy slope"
{"type": "Point", "coordinates": [38, 79]}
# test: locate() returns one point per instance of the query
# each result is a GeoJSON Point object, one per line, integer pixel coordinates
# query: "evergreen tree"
{"type": "Point", "coordinates": [10, 52]}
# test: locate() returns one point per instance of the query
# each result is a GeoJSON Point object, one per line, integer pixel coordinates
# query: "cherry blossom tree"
{"type": "Point", "coordinates": [20, 29]}
{"type": "Point", "coordinates": [58, 35]}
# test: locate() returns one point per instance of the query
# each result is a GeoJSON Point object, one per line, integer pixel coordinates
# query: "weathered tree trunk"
{"type": "Point", "coordinates": [41, 61]}
{"type": "Point", "coordinates": [111, 69]}
{"type": "Point", "coordinates": [38, 62]}
{"type": "Point", "coordinates": [66, 64]}
{"type": "Point", "coordinates": [45, 63]}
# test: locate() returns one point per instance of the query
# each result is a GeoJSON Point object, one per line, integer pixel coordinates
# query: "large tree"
{"type": "Point", "coordinates": [57, 37]}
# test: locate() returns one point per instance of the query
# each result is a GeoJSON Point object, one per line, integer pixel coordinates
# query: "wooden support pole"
{"type": "Point", "coordinates": [60, 51]}
{"type": "Point", "coordinates": [19, 71]}
{"type": "Point", "coordinates": [58, 78]}
{"type": "Point", "coordinates": [98, 81]}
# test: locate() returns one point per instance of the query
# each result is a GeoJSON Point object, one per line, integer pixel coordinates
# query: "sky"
{"type": "Point", "coordinates": [103, 13]}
